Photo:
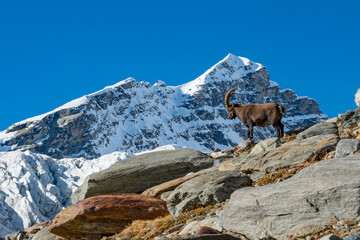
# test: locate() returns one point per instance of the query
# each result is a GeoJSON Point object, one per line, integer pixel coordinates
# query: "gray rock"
{"type": "Point", "coordinates": [193, 227]}
{"type": "Point", "coordinates": [330, 237]}
{"type": "Point", "coordinates": [204, 237]}
{"type": "Point", "coordinates": [136, 174]}
{"type": "Point", "coordinates": [346, 147]}
{"type": "Point", "coordinates": [314, 196]}
{"type": "Point", "coordinates": [206, 189]}
{"type": "Point", "coordinates": [319, 129]}
{"type": "Point", "coordinates": [221, 154]}
{"type": "Point", "coordinates": [357, 98]}
{"type": "Point", "coordinates": [44, 234]}
{"type": "Point", "coordinates": [332, 120]}
{"type": "Point", "coordinates": [266, 145]}
{"type": "Point", "coordinates": [16, 236]}
{"type": "Point", "coordinates": [352, 237]}
{"type": "Point", "coordinates": [245, 144]}
{"type": "Point", "coordinates": [286, 155]}
{"type": "Point", "coordinates": [350, 124]}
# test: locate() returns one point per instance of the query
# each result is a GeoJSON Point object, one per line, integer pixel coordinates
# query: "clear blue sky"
{"type": "Point", "coordinates": [52, 52]}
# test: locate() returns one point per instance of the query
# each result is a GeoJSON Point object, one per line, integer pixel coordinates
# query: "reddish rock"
{"type": "Point", "coordinates": [105, 215]}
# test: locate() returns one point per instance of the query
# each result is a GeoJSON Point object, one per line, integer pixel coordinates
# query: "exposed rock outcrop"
{"type": "Point", "coordinates": [347, 147]}
{"type": "Point", "coordinates": [288, 154]}
{"type": "Point", "coordinates": [319, 129]}
{"type": "Point", "coordinates": [357, 98]}
{"type": "Point", "coordinates": [318, 194]}
{"type": "Point", "coordinates": [37, 232]}
{"type": "Point", "coordinates": [204, 237]}
{"type": "Point", "coordinates": [349, 126]}
{"type": "Point", "coordinates": [266, 145]}
{"type": "Point", "coordinates": [156, 191]}
{"type": "Point", "coordinates": [206, 189]}
{"type": "Point", "coordinates": [136, 174]}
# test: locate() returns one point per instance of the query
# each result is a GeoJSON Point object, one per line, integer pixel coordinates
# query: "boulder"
{"type": "Point", "coordinates": [171, 185]}
{"type": "Point", "coordinates": [136, 174]}
{"type": "Point", "coordinates": [36, 232]}
{"type": "Point", "coordinates": [44, 234]}
{"type": "Point", "coordinates": [194, 226]}
{"type": "Point", "coordinates": [20, 235]}
{"type": "Point", "coordinates": [266, 145]}
{"type": "Point", "coordinates": [347, 147]}
{"type": "Point", "coordinates": [352, 237]}
{"type": "Point", "coordinates": [319, 129]}
{"type": "Point", "coordinates": [248, 143]}
{"type": "Point", "coordinates": [288, 154]}
{"type": "Point", "coordinates": [221, 236]}
{"type": "Point", "coordinates": [331, 237]}
{"type": "Point", "coordinates": [204, 190]}
{"type": "Point", "coordinates": [317, 195]}
{"type": "Point", "coordinates": [221, 154]}
{"type": "Point", "coordinates": [106, 215]}
{"type": "Point", "coordinates": [357, 98]}
{"type": "Point", "coordinates": [350, 124]}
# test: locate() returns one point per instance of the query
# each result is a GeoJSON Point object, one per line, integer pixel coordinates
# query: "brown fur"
{"type": "Point", "coordinates": [261, 115]}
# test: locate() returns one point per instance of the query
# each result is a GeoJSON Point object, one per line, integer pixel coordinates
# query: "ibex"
{"type": "Point", "coordinates": [261, 115]}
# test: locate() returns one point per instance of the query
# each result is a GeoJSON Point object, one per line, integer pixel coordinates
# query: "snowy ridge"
{"type": "Point", "coordinates": [239, 65]}
{"type": "Point", "coordinates": [133, 116]}
{"type": "Point", "coordinates": [76, 102]}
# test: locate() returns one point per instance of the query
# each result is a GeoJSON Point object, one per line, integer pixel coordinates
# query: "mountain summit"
{"type": "Point", "coordinates": [230, 68]}
{"type": "Point", "coordinates": [133, 116]}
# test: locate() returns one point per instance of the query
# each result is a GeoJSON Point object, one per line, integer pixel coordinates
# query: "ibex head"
{"type": "Point", "coordinates": [230, 108]}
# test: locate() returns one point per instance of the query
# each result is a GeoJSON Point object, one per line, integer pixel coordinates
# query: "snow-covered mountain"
{"type": "Point", "coordinates": [133, 116]}
{"type": "Point", "coordinates": [45, 158]}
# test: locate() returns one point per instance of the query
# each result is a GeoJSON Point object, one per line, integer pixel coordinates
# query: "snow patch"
{"type": "Point", "coordinates": [162, 148]}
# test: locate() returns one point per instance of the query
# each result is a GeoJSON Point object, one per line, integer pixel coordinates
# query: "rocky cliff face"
{"type": "Point", "coordinates": [134, 116]}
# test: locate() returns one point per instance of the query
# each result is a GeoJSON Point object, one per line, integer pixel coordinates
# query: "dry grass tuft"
{"type": "Point", "coordinates": [149, 229]}
{"type": "Point", "coordinates": [285, 173]}
{"type": "Point", "coordinates": [239, 152]}
{"type": "Point", "coordinates": [341, 228]}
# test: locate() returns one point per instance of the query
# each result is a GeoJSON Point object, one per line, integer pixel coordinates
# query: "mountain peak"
{"type": "Point", "coordinates": [234, 60]}
{"type": "Point", "coordinates": [230, 68]}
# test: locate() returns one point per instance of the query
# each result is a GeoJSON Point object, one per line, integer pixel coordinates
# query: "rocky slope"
{"type": "Point", "coordinates": [134, 116]}
{"type": "Point", "coordinates": [303, 186]}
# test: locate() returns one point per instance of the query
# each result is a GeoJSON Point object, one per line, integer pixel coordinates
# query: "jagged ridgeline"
{"type": "Point", "coordinates": [133, 116]}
